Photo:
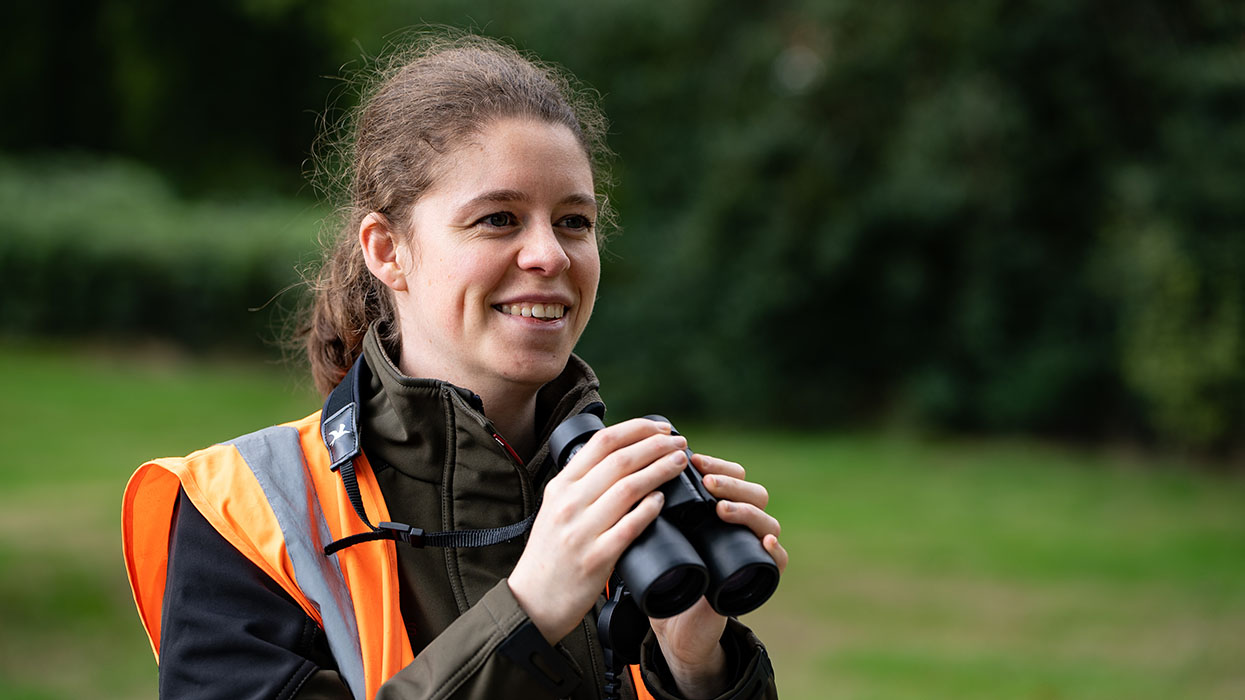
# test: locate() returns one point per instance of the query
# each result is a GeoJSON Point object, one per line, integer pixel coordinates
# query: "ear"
{"type": "Point", "coordinates": [382, 251]}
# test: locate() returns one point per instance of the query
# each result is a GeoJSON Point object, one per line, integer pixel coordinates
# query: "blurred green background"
{"type": "Point", "coordinates": [961, 282]}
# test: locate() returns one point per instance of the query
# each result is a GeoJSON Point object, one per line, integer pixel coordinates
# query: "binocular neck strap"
{"type": "Point", "coordinates": [339, 429]}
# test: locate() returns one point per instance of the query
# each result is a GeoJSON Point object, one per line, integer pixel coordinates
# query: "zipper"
{"type": "Point", "coordinates": [529, 502]}
{"type": "Point", "coordinates": [509, 450]}
{"type": "Point", "coordinates": [524, 479]}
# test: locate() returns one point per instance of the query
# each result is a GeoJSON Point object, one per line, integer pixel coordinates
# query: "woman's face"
{"type": "Point", "coordinates": [501, 265]}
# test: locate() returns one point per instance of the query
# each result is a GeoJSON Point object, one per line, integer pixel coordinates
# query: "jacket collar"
{"type": "Point", "coordinates": [403, 420]}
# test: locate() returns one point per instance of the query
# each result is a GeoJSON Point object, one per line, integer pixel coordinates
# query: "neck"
{"type": "Point", "coordinates": [514, 416]}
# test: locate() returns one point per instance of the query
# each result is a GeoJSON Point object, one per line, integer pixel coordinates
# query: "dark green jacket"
{"type": "Point", "coordinates": [440, 466]}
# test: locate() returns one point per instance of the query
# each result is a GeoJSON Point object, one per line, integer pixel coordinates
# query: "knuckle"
{"type": "Point", "coordinates": [631, 528]}
{"type": "Point", "coordinates": [563, 511]}
{"type": "Point", "coordinates": [552, 491]}
{"type": "Point", "coordinates": [608, 440]}
{"type": "Point", "coordinates": [622, 463]}
{"type": "Point", "coordinates": [629, 489]}
{"type": "Point", "coordinates": [594, 559]}
{"type": "Point", "coordinates": [614, 542]}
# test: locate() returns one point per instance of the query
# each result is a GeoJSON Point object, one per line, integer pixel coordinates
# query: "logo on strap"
{"type": "Point", "coordinates": [342, 442]}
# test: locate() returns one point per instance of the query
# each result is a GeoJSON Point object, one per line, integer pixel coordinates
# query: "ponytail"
{"type": "Point", "coordinates": [347, 300]}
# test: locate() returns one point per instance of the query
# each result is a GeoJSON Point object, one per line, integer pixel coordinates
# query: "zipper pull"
{"type": "Point", "coordinates": [509, 450]}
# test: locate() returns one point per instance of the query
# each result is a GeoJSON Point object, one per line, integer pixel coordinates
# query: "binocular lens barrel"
{"type": "Point", "coordinates": [664, 573]}
{"type": "Point", "coordinates": [745, 591]}
{"type": "Point", "coordinates": [670, 566]}
{"type": "Point", "coordinates": [742, 574]}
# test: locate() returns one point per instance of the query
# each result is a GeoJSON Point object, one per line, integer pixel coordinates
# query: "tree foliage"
{"type": "Point", "coordinates": [1020, 216]}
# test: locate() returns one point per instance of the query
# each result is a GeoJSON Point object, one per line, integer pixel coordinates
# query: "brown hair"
{"type": "Point", "coordinates": [423, 102]}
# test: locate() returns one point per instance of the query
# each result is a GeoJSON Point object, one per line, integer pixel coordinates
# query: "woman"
{"type": "Point", "coordinates": [442, 332]}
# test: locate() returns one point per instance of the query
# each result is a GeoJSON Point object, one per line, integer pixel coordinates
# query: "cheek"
{"type": "Point", "coordinates": [437, 289]}
{"type": "Point", "coordinates": [588, 265]}
{"type": "Point", "coordinates": [588, 278]}
{"type": "Point", "coordinates": [473, 278]}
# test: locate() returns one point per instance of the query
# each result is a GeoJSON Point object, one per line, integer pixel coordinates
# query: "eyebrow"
{"type": "Point", "coordinates": [503, 196]}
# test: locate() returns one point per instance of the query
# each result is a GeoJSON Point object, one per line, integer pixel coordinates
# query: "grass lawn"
{"type": "Point", "coordinates": [919, 569]}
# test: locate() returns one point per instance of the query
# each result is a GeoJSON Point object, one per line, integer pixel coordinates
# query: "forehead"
{"type": "Point", "coordinates": [527, 157]}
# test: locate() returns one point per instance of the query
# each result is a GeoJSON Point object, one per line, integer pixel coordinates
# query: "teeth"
{"type": "Point", "coordinates": [546, 311]}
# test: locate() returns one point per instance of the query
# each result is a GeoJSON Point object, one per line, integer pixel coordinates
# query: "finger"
{"type": "Point", "coordinates": [613, 541]}
{"type": "Point", "coordinates": [629, 460]}
{"type": "Point", "coordinates": [611, 439]}
{"type": "Point", "coordinates": [732, 489]}
{"type": "Point", "coordinates": [712, 465]}
{"type": "Point", "coordinates": [624, 493]}
{"type": "Point", "coordinates": [750, 516]}
{"type": "Point", "coordinates": [777, 551]}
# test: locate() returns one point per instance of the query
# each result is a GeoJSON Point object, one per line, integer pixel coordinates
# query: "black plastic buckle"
{"type": "Point", "coordinates": [411, 535]}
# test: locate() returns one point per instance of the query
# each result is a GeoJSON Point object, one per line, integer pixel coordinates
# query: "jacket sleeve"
{"type": "Point", "coordinates": [229, 631]}
{"type": "Point", "coordinates": [753, 674]}
{"type": "Point", "coordinates": [491, 651]}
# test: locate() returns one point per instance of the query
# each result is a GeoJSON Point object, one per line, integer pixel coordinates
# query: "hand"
{"type": "Point", "coordinates": [690, 640]}
{"type": "Point", "coordinates": [591, 511]}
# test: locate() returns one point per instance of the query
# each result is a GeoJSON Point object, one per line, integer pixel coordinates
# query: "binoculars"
{"type": "Point", "coordinates": [687, 551]}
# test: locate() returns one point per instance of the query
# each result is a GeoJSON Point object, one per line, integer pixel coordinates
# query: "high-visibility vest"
{"type": "Point", "coordinates": [273, 496]}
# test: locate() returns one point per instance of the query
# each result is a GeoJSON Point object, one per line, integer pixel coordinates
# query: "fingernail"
{"type": "Point", "coordinates": [730, 507]}
{"type": "Point", "coordinates": [711, 481]}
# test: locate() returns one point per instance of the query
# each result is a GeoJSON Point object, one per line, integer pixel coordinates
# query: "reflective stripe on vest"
{"type": "Point", "coordinates": [275, 457]}
{"type": "Point", "coordinates": [273, 497]}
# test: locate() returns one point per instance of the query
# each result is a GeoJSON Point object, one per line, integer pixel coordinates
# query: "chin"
{"type": "Point", "coordinates": [537, 372]}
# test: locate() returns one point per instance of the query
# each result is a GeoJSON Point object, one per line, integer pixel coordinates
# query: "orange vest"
{"type": "Point", "coordinates": [273, 496]}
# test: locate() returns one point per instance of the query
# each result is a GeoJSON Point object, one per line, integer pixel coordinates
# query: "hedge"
{"type": "Point", "coordinates": [92, 246]}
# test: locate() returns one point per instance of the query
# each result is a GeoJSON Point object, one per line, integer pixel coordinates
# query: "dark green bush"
{"type": "Point", "coordinates": [103, 247]}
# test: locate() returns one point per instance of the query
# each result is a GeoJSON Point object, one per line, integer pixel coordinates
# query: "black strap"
{"type": "Point", "coordinates": [418, 538]}
{"type": "Point", "coordinates": [340, 432]}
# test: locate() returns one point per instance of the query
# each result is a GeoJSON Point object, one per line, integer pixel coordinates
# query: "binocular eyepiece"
{"type": "Point", "coordinates": [687, 551]}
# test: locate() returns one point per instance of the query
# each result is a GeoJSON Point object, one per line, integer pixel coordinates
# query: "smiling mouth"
{"type": "Point", "coordinates": [547, 312]}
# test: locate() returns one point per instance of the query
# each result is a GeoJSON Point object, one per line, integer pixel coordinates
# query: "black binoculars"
{"type": "Point", "coordinates": [687, 551]}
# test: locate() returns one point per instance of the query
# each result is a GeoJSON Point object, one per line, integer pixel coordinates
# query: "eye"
{"type": "Point", "coordinates": [501, 219]}
{"type": "Point", "coordinates": [576, 222]}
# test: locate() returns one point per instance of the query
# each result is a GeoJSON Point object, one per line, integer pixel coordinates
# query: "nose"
{"type": "Point", "coordinates": [541, 251]}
